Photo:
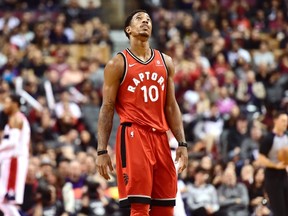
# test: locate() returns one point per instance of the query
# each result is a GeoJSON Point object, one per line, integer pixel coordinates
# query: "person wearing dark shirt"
{"type": "Point", "coordinates": [276, 178]}
{"type": "Point", "coordinates": [57, 36]}
{"type": "Point", "coordinates": [236, 136]}
{"type": "Point", "coordinates": [256, 191]}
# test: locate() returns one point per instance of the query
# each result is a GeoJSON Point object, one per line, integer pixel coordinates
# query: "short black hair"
{"type": "Point", "coordinates": [129, 18]}
{"type": "Point", "coordinates": [200, 169]}
{"type": "Point", "coordinates": [16, 99]}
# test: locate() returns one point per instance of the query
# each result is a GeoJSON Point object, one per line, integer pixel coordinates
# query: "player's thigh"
{"type": "Point", "coordinates": [134, 162]}
{"type": "Point", "coordinates": [165, 176]}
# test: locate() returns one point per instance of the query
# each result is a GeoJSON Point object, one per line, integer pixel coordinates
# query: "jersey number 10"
{"type": "Point", "coordinates": [151, 93]}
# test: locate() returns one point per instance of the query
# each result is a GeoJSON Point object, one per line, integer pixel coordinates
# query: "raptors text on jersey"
{"type": "Point", "coordinates": [141, 96]}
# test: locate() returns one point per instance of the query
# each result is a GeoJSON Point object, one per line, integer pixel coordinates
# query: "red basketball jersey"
{"type": "Point", "coordinates": [142, 94]}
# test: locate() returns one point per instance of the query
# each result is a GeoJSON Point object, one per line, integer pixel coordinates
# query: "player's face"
{"type": "Point", "coordinates": [7, 105]}
{"type": "Point", "coordinates": [141, 24]}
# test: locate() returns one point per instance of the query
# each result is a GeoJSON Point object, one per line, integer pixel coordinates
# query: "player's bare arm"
{"type": "Point", "coordinates": [266, 162]}
{"type": "Point", "coordinates": [112, 76]}
{"type": "Point", "coordinates": [173, 115]}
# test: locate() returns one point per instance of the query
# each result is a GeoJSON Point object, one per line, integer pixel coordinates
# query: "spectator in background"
{"type": "Point", "coordinates": [220, 66]}
{"type": "Point", "coordinates": [235, 138]}
{"type": "Point", "coordinates": [275, 89]}
{"type": "Point", "coordinates": [73, 188]}
{"type": "Point", "coordinates": [233, 196]}
{"type": "Point", "coordinates": [246, 175]}
{"type": "Point", "coordinates": [31, 84]}
{"type": "Point", "coordinates": [263, 74]}
{"type": "Point", "coordinates": [257, 194]}
{"type": "Point", "coordinates": [236, 53]}
{"type": "Point", "coordinates": [57, 35]}
{"type": "Point", "coordinates": [43, 128]}
{"type": "Point", "coordinates": [88, 142]}
{"type": "Point", "coordinates": [72, 11]}
{"type": "Point", "coordinates": [250, 92]}
{"type": "Point", "coordinates": [68, 113]}
{"type": "Point", "coordinates": [250, 145]}
{"type": "Point", "coordinates": [8, 22]}
{"type": "Point", "coordinates": [10, 70]}
{"type": "Point", "coordinates": [64, 167]}
{"type": "Point", "coordinates": [39, 34]}
{"type": "Point", "coordinates": [283, 64]}
{"type": "Point", "coordinates": [35, 62]}
{"type": "Point", "coordinates": [27, 208]}
{"type": "Point", "coordinates": [48, 204]}
{"type": "Point", "coordinates": [203, 104]}
{"type": "Point", "coordinates": [60, 65]}
{"type": "Point", "coordinates": [202, 197]}
{"type": "Point", "coordinates": [209, 128]}
{"type": "Point", "coordinates": [259, 21]}
{"type": "Point", "coordinates": [23, 37]}
{"type": "Point", "coordinates": [264, 55]}
{"type": "Point", "coordinates": [73, 76]}
{"type": "Point", "coordinates": [225, 103]}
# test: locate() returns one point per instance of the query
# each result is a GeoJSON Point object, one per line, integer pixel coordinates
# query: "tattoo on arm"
{"type": "Point", "coordinates": [105, 123]}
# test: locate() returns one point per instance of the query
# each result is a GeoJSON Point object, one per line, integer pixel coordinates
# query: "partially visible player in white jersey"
{"type": "Point", "coordinates": [14, 156]}
{"type": "Point", "coordinates": [179, 209]}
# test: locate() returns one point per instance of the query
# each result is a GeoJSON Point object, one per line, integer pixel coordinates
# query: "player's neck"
{"type": "Point", "coordinates": [141, 49]}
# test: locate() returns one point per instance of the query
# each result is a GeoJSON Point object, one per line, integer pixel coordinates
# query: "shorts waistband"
{"type": "Point", "coordinates": [144, 127]}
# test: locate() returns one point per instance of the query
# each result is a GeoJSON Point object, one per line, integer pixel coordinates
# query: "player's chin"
{"type": "Point", "coordinates": [145, 34]}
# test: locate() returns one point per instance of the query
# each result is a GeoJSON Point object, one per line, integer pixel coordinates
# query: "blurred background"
{"type": "Point", "coordinates": [231, 62]}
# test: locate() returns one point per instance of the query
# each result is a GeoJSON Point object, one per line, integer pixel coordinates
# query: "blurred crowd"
{"type": "Point", "coordinates": [231, 61]}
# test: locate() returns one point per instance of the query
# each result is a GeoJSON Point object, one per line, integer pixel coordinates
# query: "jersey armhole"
{"type": "Point", "coordinates": [167, 71]}
{"type": "Point", "coordinates": [125, 67]}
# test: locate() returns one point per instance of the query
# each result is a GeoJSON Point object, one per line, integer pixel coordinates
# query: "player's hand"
{"type": "Point", "coordinates": [103, 162]}
{"type": "Point", "coordinates": [182, 154]}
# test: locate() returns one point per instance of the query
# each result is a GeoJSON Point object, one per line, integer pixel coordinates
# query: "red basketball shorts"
{"type": "Point", "coordinates": [145, 169]}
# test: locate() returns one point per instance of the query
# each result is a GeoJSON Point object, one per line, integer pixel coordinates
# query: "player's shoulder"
{"type": "Point", "coordinates": [115, 67]}
{"type": "Point", "coordinates": [15, 121]}
{"type": "Point", "coordinates": [168, 59]}
{"type": "Point", "coordinates": [116, 61]}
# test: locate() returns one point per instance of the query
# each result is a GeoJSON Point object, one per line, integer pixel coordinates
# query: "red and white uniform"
{"type": "Point", "coordinates": [14, 158]}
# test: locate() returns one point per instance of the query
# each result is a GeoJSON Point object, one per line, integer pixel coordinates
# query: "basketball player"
{"type": "Point", "coordinates": [138, 82]}
{"type": "Point", "coordinates": [276, 179]}
{"type": "Point", "coordinates": [14, 153]}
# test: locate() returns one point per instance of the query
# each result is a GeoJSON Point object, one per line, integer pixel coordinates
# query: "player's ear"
{"type": "Point", "coordinates": [128, 29]}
